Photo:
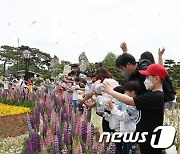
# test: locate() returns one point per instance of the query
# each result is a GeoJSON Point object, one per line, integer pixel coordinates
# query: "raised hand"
{"type": "Point", "coordinates": [123, 46]}
{"type": "Point", "coordinates": [161, 52]}
{"type": "Point", "coordinates": [106, 88]}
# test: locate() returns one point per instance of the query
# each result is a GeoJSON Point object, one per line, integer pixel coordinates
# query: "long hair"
{"type": "Point", "coordinates": [102, 73]}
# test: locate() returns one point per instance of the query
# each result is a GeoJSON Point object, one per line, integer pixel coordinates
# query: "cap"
{"type": "Point", "coordinates": [155, 69]}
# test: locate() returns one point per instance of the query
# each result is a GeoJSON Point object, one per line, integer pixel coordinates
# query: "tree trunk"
{"type": "Point", "coordinates": [4, 68]}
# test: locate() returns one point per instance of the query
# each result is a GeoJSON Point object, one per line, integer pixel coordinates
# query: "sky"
{"type": "Point", "coordinates": [66, 28]}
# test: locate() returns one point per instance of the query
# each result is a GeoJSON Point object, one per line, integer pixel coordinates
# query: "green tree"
{"type": "Point", "coordinates": [1, 69]}
{"type": "Point", "coordinates": [168, 64]}
{"type": "Point", "coordinates": [39, 61]}
{"type": "Point", "coordinates": [109, 63]}
{"type": "Point", "coordinates": [7, 56]}
{"type": "Point", "coordinates": [109, 59]}
{"type": "Point", "coordinates": [173, 69]}
{"type": "Point", "coordinates": [93, 66]}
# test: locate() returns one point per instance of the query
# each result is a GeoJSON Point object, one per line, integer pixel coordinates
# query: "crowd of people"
{"type": "Point", "coordinates": [134, 105]}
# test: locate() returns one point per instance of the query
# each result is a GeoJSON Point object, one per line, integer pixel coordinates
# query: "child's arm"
{"type": "Point", "coordinates": [83, 89]}
{"type": "Point", "coordinates": [130, 114]}
{"type": "Point", "coordinates": [118, 114]}
{"type": "Point", "coordinates": [90, 105]}
{"type": "Point", "coordinates": [121, 97]}
{"type": "Point", "coordinates": [106, 116]}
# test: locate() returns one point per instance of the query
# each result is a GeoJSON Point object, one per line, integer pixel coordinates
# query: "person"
{"type": "Point", "coordinates": [126, 115]}
{"type": "Point", "coordinates": [130, 69]}
{"type": "Point", "coordinates": [150, 103]}
{"type": "Point", "coordinates": [6, 86]}
{"type": "Point", "coordinates": [104, 76]}
{"type": "Point", "coordinates": [78, 72]}
{"type": "Point", "coordinates": [88, 86]}
{"type": "Point", "coordinates": [30, 85]}
{"type": "Point", "coordinates": [75, 94]}
{"type": "Point", "coordinates": [51, 87]}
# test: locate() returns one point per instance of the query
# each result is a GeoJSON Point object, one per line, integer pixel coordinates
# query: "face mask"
{"type": "Point", "coordinates": [89, 81]}
{"type": "Point", "coordinates": [148, 84]}
{"type": "Point", "coordinates": [125, 74]}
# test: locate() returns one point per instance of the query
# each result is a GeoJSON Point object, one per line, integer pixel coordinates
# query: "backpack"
{"type": "Point", "coordinates": [168, 89]}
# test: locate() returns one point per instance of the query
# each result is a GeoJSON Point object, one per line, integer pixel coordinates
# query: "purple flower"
{"type": "Point", "coordinates": [84, 130]}
{"type": "Point", "coordinates": [56, 145]}
{"type": "Point", "coordinates": [30, 129]}
{"type": "Point", "coordinates": [59, 136]}
{"type": "Point", "coordinates": [54, 120]}
{"type": "Point", "coordinates": [78, 127]}
{"type": "Point", "coordinates": [66, 138]}
{"type": "Point", "coordinates": [36, 116]}
{"type": "Point", "coordinates": [35, 140]}
{"type": "Point", "coordinates": [44, 132]}
{"type": "Point", "coordinates": [29, 147]}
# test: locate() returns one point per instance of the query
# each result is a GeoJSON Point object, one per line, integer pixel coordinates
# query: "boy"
{"type": "Point", "coordinates": [75, 95]}
{"type": "Point", "coordinates": [150, 103]}
{"type": "Point", "coordinates": [124, 117]}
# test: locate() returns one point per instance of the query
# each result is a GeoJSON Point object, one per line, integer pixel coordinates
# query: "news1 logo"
{"type": "Point", "coordinates": [162, 137]}
{"type": "Point", "coordinates": [166, 139]}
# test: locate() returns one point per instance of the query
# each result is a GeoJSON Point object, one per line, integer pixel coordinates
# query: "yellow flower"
{"type": "Point", "coordinates": [7, 110]}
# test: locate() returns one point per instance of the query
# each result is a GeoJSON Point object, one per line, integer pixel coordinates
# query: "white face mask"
{"type": "Point", "coordinates": [125, 74]}
{"type": "Point", "coordinates": [148, 84]}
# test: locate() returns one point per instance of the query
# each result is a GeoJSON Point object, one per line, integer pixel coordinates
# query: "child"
{"type": "Point", "coordinates": [151, 104]}
{"type": "Point", "coordinates": [127, 116]}
{"type": "Point", "coordinates": [75, 95]}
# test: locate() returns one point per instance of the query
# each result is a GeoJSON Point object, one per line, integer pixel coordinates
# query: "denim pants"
{"type": "Point", "coordinates": [126, 148]}
{"type": "Point", "coordinates": [75, 105]}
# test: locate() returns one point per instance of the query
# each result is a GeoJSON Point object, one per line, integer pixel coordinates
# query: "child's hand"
{"type": "Point", "coordinates": [110, 105]}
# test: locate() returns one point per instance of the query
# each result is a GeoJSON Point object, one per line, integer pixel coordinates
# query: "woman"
{"type": "Point", "coordinates": [102, 76]}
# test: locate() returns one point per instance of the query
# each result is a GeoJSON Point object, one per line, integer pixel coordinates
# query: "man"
{"type": "Point", "coordinates": [151, 103]}
{"type": "Point", "coordinates": [130, 68]}
{"type": "Point", "coordinates": [78, 72]}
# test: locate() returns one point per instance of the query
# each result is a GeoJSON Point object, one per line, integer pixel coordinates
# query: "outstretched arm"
{"type": "Point", "coordinates": [86, 98]}
{"type": "Point", "coordinates": [121, 97]}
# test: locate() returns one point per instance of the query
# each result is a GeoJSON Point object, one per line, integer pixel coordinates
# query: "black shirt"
{"type": "Point", "coordinates": [136, 76]}
{"type": "Point", "coordinates": [151, 105]}
{"type": "Point", "coordinates": [141, 65]}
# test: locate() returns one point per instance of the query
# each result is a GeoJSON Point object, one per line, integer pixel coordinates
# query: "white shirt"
{"type": "Point", "coordinates": [6, 85]}
{"type": "Point", "coordinates": [75, 95]}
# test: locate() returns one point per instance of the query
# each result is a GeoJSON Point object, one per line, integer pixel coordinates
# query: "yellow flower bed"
{"type": "Point", "coordinates": [7, 110]}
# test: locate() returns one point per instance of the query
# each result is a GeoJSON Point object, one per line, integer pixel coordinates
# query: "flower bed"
{"type": "Point", "coordinates": [7, 110]}
{"type": "Point", "coordinates": [12, 126]}
{"type": "Point", "coordinates": [12, 144]}
{"type": "Point", "coordinates": [172, 118]}
{"type": "Point", "coordinates": [54, 128]}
